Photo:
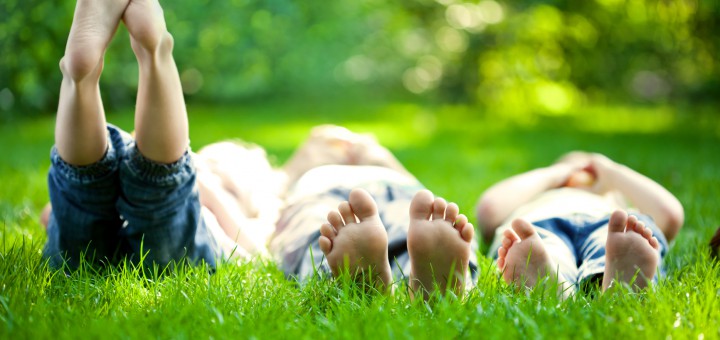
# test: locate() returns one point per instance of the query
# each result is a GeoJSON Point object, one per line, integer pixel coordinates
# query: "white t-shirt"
{"type": "Point", "coordinates": [558, 203]}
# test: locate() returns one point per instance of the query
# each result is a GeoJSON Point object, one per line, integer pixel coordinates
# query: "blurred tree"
{"type": "Point", "coordinates": [553, 55]}
{"type": "Point", "coordinates": [523, 55]}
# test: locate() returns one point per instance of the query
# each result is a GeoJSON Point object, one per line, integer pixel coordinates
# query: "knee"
{"type": "Point", "coordinates": [671, 221]}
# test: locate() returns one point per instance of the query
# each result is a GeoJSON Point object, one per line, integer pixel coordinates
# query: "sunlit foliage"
{"type": "Point", "coordinates": [523, 55]}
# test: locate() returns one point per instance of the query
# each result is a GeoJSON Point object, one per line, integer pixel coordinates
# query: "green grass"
{"type": "Point", "coordinates": [454, 151]}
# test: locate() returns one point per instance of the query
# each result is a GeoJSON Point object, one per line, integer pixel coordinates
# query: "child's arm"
{"type": "Point", "coordinates": [645, 194]}
{"type": "Point", "coordinates": [500, 200]}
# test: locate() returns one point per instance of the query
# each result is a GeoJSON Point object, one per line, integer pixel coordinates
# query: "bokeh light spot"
{"type": "Point", "coordinates": [451, 40]}
{"type": "Point", "coordinates": [554, 97]}
{"type": "Point", "coordinates": [492, 12]}
{"type": "Point", "coordinates": [192, 81]}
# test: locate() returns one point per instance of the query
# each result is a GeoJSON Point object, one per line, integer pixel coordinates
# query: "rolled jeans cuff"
{"type": "Point", "coordinates": [86, 174]}
{"type": "Point", "coordinates": [156, 173]}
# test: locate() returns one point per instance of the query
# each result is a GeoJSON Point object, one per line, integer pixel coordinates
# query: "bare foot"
{"type": "Point", "coordinates": [94, 24]}
{"type": "Point", "coordinates": [522, 257]}
{"type": "Point", "coordinates": [355, 241]}
{"type": "Point", "coordinates": [631, 249]}
{"type": "Point", "coordinates": [145, 21]}
{"type": "Point", "coordinates": [439, 245]}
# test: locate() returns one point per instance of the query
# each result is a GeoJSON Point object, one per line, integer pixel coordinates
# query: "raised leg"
{"type": "Point", "coordinates": [80, 134]}
{"type": "Point", "coordinates": [161, 125]}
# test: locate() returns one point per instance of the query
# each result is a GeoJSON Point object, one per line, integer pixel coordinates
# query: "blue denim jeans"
{"type": "Point", "coordinates": [576, 243]}
{"type": "Point", "coordinates": [126, 206]}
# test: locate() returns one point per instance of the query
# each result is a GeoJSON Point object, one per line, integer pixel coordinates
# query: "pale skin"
{"type": "Point", "coordinates": [161, 133]}
{"type": "Point", "coordinates": [610, 179]}
{"type": "Point", "coordinates": [160, 119]}
{"type": "Point", "coordinates": [327, 144]}
{"type": "Point", "coordinates": [355, 242]}
{"type": "Point", "coordinates": [161, 124]}
{"type": "Point", "coordinates": [438, 237]}
{"type": "Point", "coordinates": [630, 249]}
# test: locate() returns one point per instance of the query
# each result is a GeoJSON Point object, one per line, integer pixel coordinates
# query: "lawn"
{"type": "Point", "coordinates": [455, 151]}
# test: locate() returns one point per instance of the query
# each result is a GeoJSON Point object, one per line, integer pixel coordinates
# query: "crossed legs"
{"type": "Point", "coordinates": [108, 197]}
{"type": "Point", "coordinates": [160, 120]}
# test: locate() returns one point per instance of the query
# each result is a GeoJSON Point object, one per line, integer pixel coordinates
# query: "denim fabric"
{"type": "Point", "coordinates": [577, 243]}
{"type": "Point", "coordinates": [126, 206]}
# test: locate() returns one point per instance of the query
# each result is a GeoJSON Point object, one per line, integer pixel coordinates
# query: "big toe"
{"type": "Point", "coordinates": [363, 205]}
{"type": "Point", "coordinates": [618, 220]}
{"type": "Point", "coordinates": [421, 206]}
{"type": "Point", "coordinates": [523, 228]}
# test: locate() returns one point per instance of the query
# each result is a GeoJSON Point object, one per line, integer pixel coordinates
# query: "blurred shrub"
{"type": "Point", "coordinates": [552, 56]}
{"type": "Point", "coordinates": [523, 55]}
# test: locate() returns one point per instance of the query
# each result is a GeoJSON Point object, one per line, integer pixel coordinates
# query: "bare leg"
{"type": "Point", "coordinates": [439, 246]}
{"type": "Point", "coordinates": [358, 246]}
{"type": "Point", "coordinates": [80, 134]}
{"type": "Point", "coordinates": [631, 252]}
{"type": "Point", "coordinates": [161, 125]}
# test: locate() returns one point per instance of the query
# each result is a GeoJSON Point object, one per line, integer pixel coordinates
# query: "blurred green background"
{"type": "Point", "coordinates": [519, 58]}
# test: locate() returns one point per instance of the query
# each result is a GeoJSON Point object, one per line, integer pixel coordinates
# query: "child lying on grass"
{"type": "Point", "coordinates": [568, 221]}
{"type": "Point", "coordinates": [580, 229]}
{"type": "Point", "coordinates": [116, 196]}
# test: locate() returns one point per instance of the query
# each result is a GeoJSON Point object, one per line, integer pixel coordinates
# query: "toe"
{"type": "Point", "coordinates": [511, 235]}
{"type": "Point", "coordinates": [632, 223]}
{"type": "Point", "coordinates": [460, 222]}
{"type": "Point", "coordinates": [467, 232]}
{"type": "Point", "coordinates": [421, 205]}
{"type": "Point", "coordinates": [451, 213]}
{"type": "Point", "coordinates": [507, 242]}
{"type": "Point", "coordinates": [363, 205]}
{"type": "Point", "coordinates": [647, 233]}
{"type": "Point", "coordinates": [325, 245]}
{"type": "Point", "coordinates": [523, 228]}
{"type": "Point", "coordinates": [618, 220]}
{"type": "Point", "coordinates": [439, 207]}
{"type": "Point", "coordinates": [346, 212]}
{"type": "Point", "coordinates": [328, 231]}
{"type": "Point", "coordinates": [335, 220]}
{"type": "Point", "coordinates": [502, 252]}
{"type": "Point", "coordinates": [654, 243]}
{"type": "Point", "coordinates": [638, 227]}
{"type": "Point", "coordinates": [501, 258]}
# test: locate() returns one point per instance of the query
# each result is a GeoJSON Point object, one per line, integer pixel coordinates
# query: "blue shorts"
{"type": "Point", "coordinates": [126, 206]}
{"type": "Point", "coordinates": [577, 244]}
